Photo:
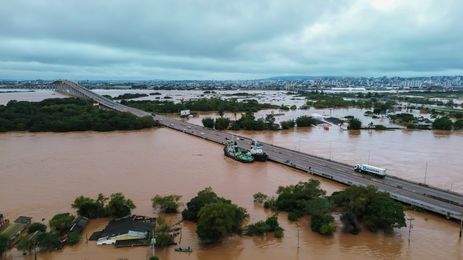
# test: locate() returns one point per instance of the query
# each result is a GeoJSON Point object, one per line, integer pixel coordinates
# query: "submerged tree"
{"type": "Point", "coordinates": [218, 220]}
{"type": "Point", "coordinates": [119, 206]}
{"type": "Point", "coordinates": [167, 204]}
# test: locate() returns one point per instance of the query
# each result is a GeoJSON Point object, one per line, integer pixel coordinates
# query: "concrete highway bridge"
{"type": "Point", "coordinates": [440, 201]}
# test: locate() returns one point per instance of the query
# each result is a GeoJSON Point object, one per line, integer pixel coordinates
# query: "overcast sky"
{"type": "Point", "coordinates": [229, 39]}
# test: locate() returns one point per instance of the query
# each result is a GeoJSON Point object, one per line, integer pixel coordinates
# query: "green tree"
{"type": "Point", "coordinates": [25, 244]}
{"type": "Point", "coordinates": [119, 206]}
{"type": "Point", "coordinates": [365, 204]}
{"type": "Point", "coordinates": [36, 227]}
{"type": "Point", "coordinates": [287, 124]}
{"type": "Point", "coordinates": [89, 207]}
{"type": "Point", "coordinates": [260, 197]}
{"type": "Point", "coordinates": [61, 222]}
{"type": "Point", "coordinates": [204, 197]}
{"type": "Point", "coordinates": [4, 244]}
{"type": "Point", "coordinates": [222, 123]}
{"type": "Point", "coordinates": [261, 227]}
{"type": "Point", "coordinates": [293, 198]}
{"type": "Point", "coordinates": [317, 206]}
{"type": "Point", "coordinates": [443, 123]}
{"type": "Point", "coordinates": [384, 213]}
{"type": "Point", "coordinates": [354, 124]}
{"type": "Point", "coordinates": [208, 122]}
{"type": "Point", "coordinates": [48, 241]}
{"type": "Point", "coordinates": [74, 238]}
{"type": "Point", "coordinates": [218, 220]}
{"type": "Point", "coordinates": [163, 237]}
{"type": "Point", "coordinates": [323, 224]}
{"type": "Point", "coordinates": [458, 124]}
{"type": "Point", "coordinates": [167, 204]}
{"type": "Point", "coordinates": [304, 121]}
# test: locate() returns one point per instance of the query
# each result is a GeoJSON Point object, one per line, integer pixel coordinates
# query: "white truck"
{"type": "Point", "coordinates": [371, 170]}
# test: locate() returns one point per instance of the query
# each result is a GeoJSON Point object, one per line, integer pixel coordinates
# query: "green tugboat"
{"type": "Point", "coordinates": [257, 152]}
{"type": "Point", "coordinates": [232, 150]}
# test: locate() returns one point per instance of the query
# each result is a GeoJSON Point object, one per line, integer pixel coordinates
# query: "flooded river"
{"type": "Point", "coordinates": [42, 173]}
{"type": "Point", "coordinates": [431, 157]}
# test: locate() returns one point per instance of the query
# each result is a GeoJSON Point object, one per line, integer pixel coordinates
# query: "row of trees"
{"type": "Point", "coordinates": [262, 227]}
{"type": "Point", "coordinates": [444, 123]}
{"type": "Point", "coordinates": [66, 114]}
{"type": "Point", "coordinates": [358, 206]}
{"type": "Point", "coordinates": [203, 104]}
{"type": "Point", "coordinates": [322, 100]}
{"type": "Point", "coordinates": [221, 123]}
{"type": "Point", "coordinates": [248, 121]}
{"type": "Point", "coordinates": [114, 206]}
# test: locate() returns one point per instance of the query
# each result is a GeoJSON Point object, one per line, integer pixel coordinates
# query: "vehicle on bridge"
{"type": "Point", "coordinates": [232, 150]}
{"type": "Point", "coordinates": [370, 170]}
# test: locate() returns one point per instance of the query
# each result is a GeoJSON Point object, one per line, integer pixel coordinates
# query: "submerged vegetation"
{"type": "Point", "coordinates": [216, 217]}
{"type": "Point", "coordinates": [115, 206]}
{"type": "Point", "coordinates": [359, 206]}
{"type": "Point", "coordinates": [66, 114]}
{"type": "Point", "coordinates": [263, 227]}
{"type": "Point", "coordinates": [131, 95]}
{"type": "Point", "coordinates": [166, 204]}
{"type": "Point", "coordinates": [203, 104]}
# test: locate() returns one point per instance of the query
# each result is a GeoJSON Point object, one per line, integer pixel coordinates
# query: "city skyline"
{"type": "Point", "coordinates": [204, 40]}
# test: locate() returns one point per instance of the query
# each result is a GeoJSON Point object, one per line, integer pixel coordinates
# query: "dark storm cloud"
{"type": "Point", "coordinates": [228, 39]}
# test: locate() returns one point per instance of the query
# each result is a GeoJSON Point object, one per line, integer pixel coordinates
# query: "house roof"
{"type": "Point", "coordinates": [124, 225]}
{"type": "Point", "coordinates": [23, 220]}
{"type": "Point", "coordinates": [79, 224]}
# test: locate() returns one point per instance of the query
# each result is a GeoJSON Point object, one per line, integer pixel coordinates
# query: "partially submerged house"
{"type": "Point", "coordinates": [127, 231]}
{"type": "Point", "coordinates": [79, 224]}
{"type": "Point", "coordinates": [13, 230]}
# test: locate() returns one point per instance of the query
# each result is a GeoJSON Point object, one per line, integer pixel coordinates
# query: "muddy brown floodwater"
{"type": "Point", "coordinates": [41, 174]}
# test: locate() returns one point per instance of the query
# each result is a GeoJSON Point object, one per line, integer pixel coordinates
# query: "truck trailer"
{"type": "Point", "coordinates": [370, 170]}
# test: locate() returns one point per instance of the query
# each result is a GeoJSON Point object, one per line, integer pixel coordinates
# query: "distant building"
{"type": "Point", "coordinates": [343, 90]}
{"type": "Point", "coordinates": [185, 113]}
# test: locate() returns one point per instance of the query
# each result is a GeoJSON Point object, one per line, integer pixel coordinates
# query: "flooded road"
{"type": "Point", "coordinates": [42, 173]}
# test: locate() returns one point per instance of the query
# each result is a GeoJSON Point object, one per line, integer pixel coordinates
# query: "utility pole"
{"type": "Point", "coordinates": [461, 225]}
{"type": "Point", "coordinates": [410, 226]}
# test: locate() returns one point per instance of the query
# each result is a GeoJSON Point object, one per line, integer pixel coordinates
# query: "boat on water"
{"type": "Point", "coordinates": [257, 152]}
{"type": "Point", "coordinates": [232, 150]}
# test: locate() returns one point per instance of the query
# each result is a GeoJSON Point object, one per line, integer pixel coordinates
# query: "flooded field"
{"type": "Point", "coordinates": [42, 173]}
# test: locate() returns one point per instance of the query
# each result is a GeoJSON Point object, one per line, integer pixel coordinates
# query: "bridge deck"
{"type": "Point", "coordinates": [447, 203]}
